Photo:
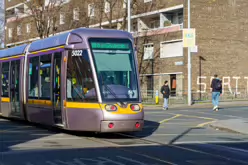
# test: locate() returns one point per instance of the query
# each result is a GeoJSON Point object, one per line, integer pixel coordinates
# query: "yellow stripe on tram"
{"type": "Point", "coordinates": [7, 58]}
{"type": "Point", "coordinates": [45, 50]}
{"type": "Point", "coordinates": [40, 102]}
{"type": "Point", "coordinates": [5, 99]}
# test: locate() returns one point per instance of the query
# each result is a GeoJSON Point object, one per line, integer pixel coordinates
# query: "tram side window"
{"type": "Point", "coordinates": [45, 70]}
{"type": "Point", "coordinates": [80, 83]}
{"type": "Point", "coordinates": [33, 77]}
{"type": "Point", "coordinates": [5, 79]}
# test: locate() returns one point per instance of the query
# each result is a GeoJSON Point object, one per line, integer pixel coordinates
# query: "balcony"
{"type": "Point", "coordinates": [19, 11]}
{"type": "Point", "coordinates": [158, 23]}
{"type": "Point", "coordinates": [157, 31]}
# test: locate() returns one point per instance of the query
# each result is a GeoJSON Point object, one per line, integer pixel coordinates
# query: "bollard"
{"type": "Point", "coordinates": [156, 97]}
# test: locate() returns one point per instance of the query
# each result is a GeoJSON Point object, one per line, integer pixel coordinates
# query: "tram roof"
{"type": "Point", "coordinates": [50, 42]}
{"type": "Point", "coordinates": [17, 50]}
{"type": "Point", "coordinates": [61, 39]}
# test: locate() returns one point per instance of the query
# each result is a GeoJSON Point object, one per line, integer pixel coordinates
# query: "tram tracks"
{"type": "Point", "coordinates": [147, 142]}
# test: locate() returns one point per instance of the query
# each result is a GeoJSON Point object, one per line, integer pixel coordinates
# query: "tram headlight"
{"type": "Point", "coordinates": [111, 108]}
{"type": "Point", "coordinates": [135, 107]}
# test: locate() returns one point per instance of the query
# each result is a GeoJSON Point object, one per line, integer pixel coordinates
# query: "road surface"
{"type": "Point", "coordinates": [180, 137]}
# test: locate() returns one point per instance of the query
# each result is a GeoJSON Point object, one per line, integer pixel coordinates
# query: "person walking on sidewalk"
{"type": "Point", "coordinates": [216, 88]}
{"type": "Point", "coordinates": [165, 90]}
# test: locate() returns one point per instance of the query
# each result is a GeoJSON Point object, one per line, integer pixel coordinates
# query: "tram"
{"type": "Point", "coordinates": [81, 80]}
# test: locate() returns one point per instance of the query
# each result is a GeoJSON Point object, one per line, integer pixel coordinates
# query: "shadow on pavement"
{"type": "Point", "coordinates": [24, 131]}
{"type": "Point", "coordinates": [186, 154]}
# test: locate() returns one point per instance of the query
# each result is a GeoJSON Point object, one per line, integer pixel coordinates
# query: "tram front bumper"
{"type": "Point", "coordinates": [122, 126]}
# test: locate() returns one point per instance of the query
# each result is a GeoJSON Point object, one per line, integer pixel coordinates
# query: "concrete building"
{"type": "Point", "coordinates": [221, 36]}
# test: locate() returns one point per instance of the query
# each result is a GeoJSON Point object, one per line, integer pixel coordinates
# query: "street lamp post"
{"type": "Point", "coordinates": [129, 15]}
{"type": "Point", "coordinates": [189, 61]}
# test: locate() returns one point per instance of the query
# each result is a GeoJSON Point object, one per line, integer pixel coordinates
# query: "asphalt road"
{"type": "Point", "coordinates": [169, 137]}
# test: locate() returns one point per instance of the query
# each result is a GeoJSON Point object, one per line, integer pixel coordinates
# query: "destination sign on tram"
{"type": "Point", "coordinates": [99, 45]}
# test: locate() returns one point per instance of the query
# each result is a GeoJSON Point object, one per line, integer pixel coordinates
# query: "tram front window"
{"type": "Point", "coordinates": [115, 67]}
{"type": "Point", "coordinates": [80, 83]}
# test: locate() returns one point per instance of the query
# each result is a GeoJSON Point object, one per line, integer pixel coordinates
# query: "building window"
{"type": "Point", "coordinates": [45, 71]}
{"type": "Point", "coordinates": [19, 32]}
{"type": "Point", "coordinates": [148, 52]}
{"type": "Point", "coordinates": [33, 77]}
{"type": "Point", "coordinates": [62, 18]}
{"type": "Point", "coordinates": [5, 79]}
{"type": "Point", "coordinates": [107, 6]}
{"type": "Point", "coordinates": [91, 10]}
{"type": "Point", "coordinates": [28, 26]}
{"type": "Point", "coordinates": [171, 49]}
{"type": "Point", "coordinates": [10, 32]}
{"type": "Point", "coordinates": [145, 1]}
{"type": "Point", "coordinates": [124, 3]}
{"type": "Point", "coordinates": [76, 14]}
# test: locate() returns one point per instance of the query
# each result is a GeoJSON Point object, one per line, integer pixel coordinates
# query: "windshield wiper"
{"type": "Point", "coordinates": [111, 91]}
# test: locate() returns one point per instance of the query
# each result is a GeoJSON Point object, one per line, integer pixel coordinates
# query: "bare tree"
{"type": "Point", "coordinates": [45, 15]}
{"type": "Point", "coordinates": [1, 24]}
{"type": "Point", "coordinates": [76, 15]}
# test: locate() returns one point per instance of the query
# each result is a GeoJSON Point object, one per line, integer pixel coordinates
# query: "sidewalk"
{"type": "Point", "coordinates": [198, 105]}
{"type": "Point", "coordinates": [232, 125]}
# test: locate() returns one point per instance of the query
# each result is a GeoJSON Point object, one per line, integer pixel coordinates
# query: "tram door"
{"type": "Point", "coordinates": [14, 87]}
{"type": "Point", "coordinates": [56, 88]}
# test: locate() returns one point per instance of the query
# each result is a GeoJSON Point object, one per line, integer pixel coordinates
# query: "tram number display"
{"type": "Point", "coordinates": [77, 53]}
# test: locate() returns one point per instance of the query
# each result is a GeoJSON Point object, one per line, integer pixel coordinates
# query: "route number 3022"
{"type": "Point", "coordinates": [77, 52]}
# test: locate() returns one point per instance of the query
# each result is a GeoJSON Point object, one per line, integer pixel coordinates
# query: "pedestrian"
{"type": "Point", "coordinates": [216, 88]}
{"type": "Point", "coordinates": [165, 90]}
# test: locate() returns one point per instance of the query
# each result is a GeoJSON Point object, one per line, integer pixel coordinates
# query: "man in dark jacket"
{"type": "Point", "coordinates": [165, 90]}
{"type": "Point", "coordinates": [216, 87]}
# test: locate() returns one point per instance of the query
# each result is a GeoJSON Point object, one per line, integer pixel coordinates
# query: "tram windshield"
{"type": "Point", "coordinates": [115, 67]}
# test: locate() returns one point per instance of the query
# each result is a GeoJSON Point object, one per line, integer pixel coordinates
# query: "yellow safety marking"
{"type": "Point", "coordinates": [165, 120]}
{"type": "Point", "coordinates": [45, 50]}
{"type": "Point", "coordinates": [5, 99]}
{"type": "Point", "coordinates": [6, 58]}
{"type": "Point", "coordinates": [206, 123]}
{"type": "Point", "coordinates": [199, 117]}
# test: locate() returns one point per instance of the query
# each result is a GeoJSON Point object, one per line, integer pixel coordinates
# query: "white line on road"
{"type": "Point", "coordinates": [212, 141]}
{"type": "Point", "coordinates": [132, 160]}
{"type": "Point", "coordinates": [217, 134]}
{"type": "Point", "coordinates": [39, 140]}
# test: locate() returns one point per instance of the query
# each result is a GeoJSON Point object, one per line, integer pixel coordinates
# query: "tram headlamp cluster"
{"type": "Point", "coordinates": [111, 108]}
{"type": "Point", "coordinates": [135, 107]}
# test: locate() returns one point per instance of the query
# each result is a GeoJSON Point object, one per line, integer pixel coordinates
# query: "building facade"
{"type": "Point", "coordinates": [157, 25]}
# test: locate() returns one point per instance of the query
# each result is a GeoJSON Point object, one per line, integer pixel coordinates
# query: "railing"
{"type": "Point", "coordinates": [181, 97]}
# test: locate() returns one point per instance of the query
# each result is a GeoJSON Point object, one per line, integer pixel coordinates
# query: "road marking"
{"type": "Point", "coordinates": [192, 150]}
{"type": "Point", "coordinates": [207, 162]}
{"type": "Point", "coordinates": [199, 117]}
{"type": "Point", "coordinates": [131, 160]}
{"type": "Point", "coordinates": [140, 135]}
{"type": "Point", "coordinates": [165, 120]}
{"type": "Point", "coordinates": [39, 140]}
{"type": "Point", "coordinates": [203, 124]}
{"type": "Point", "coordinates": [212, 141]}
{"type": "Point", "coordinates": [210, 154]}
{"type": "Point", "coordinates": [226, 147]}
{"type": "Point", "coordinates": [16, 128]}
{"type": "Point", "coordinates": [215, 114]}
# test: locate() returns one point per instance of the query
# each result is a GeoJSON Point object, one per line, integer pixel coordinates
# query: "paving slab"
{"type": "Point", "coordinates": [233, 125]}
